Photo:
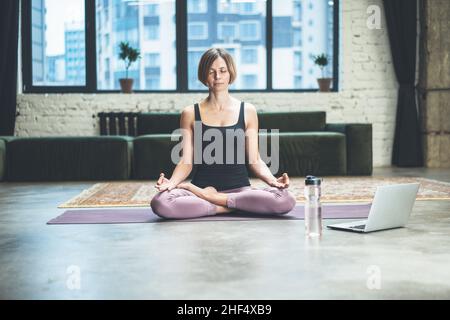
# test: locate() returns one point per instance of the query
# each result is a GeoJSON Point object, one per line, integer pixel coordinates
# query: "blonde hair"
{"type": "Point", "coordinates": [207, 60]}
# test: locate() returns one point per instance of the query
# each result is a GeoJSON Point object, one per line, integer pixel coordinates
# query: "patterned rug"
{"type": "Point", "coordinates": [334, 189]}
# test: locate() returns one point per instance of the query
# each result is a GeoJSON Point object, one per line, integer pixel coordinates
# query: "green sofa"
{"type": "Point", "coordinates": [3, 141]}
{"type": "Point", "coordinates": [2, 159]}
{"type": "Point", "coordinates": [68, 158]}
{"type": "Point", "coordinates": [308, 145]}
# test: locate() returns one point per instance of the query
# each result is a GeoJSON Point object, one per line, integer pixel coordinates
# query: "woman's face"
{"type": "Point", "coordinates": [218, 75]}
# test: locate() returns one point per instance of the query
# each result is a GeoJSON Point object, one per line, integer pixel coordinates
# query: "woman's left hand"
{"type": "Point", "coordinates": [282, 182]}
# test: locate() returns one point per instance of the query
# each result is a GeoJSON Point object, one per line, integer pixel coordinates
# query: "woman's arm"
{"type": "Point", "coordinates": [184, 167]}
{"type": "Point", "coordinates": [256, 164]}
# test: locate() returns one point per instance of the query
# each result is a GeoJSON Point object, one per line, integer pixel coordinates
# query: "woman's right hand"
{"type": "Point", "coordinates": [164, 184]}
{"type": "Point", "coordinates": [282, 182]}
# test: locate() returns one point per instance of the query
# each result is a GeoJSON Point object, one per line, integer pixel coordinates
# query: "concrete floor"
{"type": "Point", "coordinates": [216, 260]}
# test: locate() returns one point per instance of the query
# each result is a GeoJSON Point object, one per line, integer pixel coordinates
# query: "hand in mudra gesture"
{"type": "Point", "coordinates": [282, 182]}
{"type": "Point", "coordinates": [164, 184]}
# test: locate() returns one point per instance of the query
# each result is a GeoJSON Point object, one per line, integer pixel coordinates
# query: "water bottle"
{"type": "Point", "coordinates": [313, 208]}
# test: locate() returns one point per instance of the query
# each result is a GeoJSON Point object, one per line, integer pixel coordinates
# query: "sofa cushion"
{"type": "Point", "coordinates": [3, 141]}
{"type": "Point", "coordinates": [292, 121]}
{"type": "Point", "coordinates": [359, 146]}
{"type": "Point", "coordinates": [69, 158]}
{"type": "Point", "coordinates": [153, 156]}
{"type": "Point", "coordinates": [7, 138]}
{"type": "Point", "coordinates": [157, 123]}
{"type": "Point", "coordinates": [315, 153]}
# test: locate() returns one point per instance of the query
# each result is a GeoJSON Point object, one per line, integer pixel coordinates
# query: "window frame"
{"type": "Point", "coordinates": [181, 45]}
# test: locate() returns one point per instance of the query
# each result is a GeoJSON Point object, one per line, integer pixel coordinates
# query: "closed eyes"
{"type": "Point", "coordinates": [221, 71]}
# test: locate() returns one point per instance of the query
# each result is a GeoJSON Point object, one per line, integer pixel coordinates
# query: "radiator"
{"type": "Point", "coordinates": [118, 123]}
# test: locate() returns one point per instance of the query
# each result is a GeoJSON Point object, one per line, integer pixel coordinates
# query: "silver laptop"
{"type": "Point", "coordinates": [391, 208]}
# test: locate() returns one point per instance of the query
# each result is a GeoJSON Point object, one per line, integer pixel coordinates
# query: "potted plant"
{"type": "Point", "coordinates": [324, 83]}
{"type": "Point", "coordinates": [129, 55]}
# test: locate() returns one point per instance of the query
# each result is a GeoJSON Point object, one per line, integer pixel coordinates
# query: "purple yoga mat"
{"type": "Point", "coordinates": [146, 215]}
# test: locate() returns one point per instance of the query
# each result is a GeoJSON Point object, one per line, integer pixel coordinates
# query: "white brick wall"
{"type": "Point", "coordinates": [368, 92]}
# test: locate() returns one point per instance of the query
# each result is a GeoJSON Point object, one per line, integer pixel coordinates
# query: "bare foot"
{"type": "Point", "coordinates": [220, 209]}
{"type": "Point", "coordinates": [184, 185]}
{"type": "Point", "coordinates": [209, 193]}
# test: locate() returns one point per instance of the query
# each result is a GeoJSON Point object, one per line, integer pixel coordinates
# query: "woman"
{"type": "Point", "coordinates": [218, 187]}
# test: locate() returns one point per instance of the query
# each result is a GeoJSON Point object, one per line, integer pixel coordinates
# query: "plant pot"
{"type": "Point", "coordinates": [126, 85]}
{"type": "Point", "coordinates": [324, 84]}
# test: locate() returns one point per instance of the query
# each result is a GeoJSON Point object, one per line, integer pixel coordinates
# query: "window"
{"type": "Point", "coordinates": [152, 71]}
{"type": "Point", "coordinates": [239, 27]}
{"type": "Point", "coordinates": [152, 82]}
{"type": "Point", "coordinates": [198, 30]}
{"type": "Point", "coordinates": [151, 10]}
{"type": "Point", "coordinates": [242, 7]}
{"type": "Point", "coordinates": [297, 37]}
{"type": "Point", "coordinates": [297, 81]}
{"type": "Point", "coordinates": [151, 32]}
{"type": "Point", "coordinates": [57, 37]}
{"type": "Point", "coordinates": [197, 6]}
{"type": "Point", "coordinates": [194, 56]}
{"type": "Point", "coordinates": [298, 61]}
{"type": "Point", "coordinates": [249, 30]}
{"type": "Point", "coordinates": [140, 23]}
{"type": "Point", "coordinates": [151, 60]}
{"type": "Point", "coordinates": [249, 56]}
{"type": "Point", "coordinates": [250, 81]}
{"type": "Point", "coordinates": [64, 53]}
{"type": "Point", "coordinates": [232, 52]}
{"type": "Point", "coordinates": [227, 7]}
{"type": "Point", "coordinates": [226, 31]}
{"type": "Point", "coordinates": [248, 7]}
{"type": "Point", "coordinates": [288, 47]}
{"type": "Point", "coordinates": [297, 16]}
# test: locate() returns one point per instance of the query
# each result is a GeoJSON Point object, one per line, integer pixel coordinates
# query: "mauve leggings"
{"type": "Point", "coordinates": [183, 204]}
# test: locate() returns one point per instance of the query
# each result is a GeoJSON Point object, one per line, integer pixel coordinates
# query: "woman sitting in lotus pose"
{"type": "Point", "coordinates": [220, 187]}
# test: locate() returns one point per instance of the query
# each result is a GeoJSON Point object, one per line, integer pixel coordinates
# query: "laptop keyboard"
{"type": "Point", "coordinates": [359, 227]}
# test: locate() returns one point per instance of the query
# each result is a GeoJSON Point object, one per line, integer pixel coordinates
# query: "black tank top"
{"type": "Point", "coordinates": [225, 175]}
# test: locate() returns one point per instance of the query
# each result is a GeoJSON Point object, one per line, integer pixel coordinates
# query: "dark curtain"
{"type": "Point", "coordinates": [401, 18]}
{"type": "Point", "coordinates": [9, 23]}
